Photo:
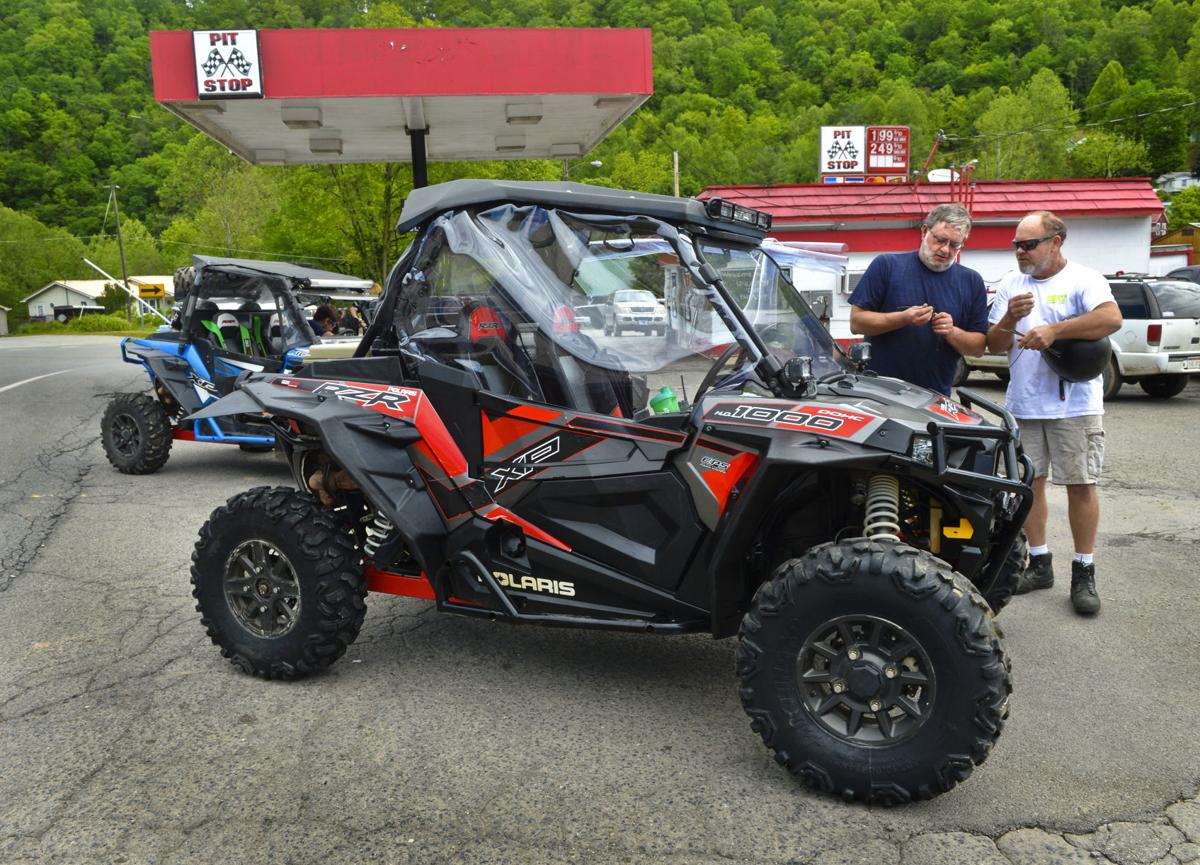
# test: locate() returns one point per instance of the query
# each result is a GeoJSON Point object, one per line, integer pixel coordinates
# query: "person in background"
{"type": "Point", "coordinates": [349, 322]}
{"type": "Point", "coordinates": [923, 310]}
{"type": "Point", "coordinates": [1049, 299]}
{"type": "Point", "coordinates": [324, 321]}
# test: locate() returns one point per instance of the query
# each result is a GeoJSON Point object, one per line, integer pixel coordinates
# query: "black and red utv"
{"type": "Point", "coordinates": [729, 472]}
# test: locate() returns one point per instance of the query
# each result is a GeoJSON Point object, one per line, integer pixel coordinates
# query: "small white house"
{"type": "Point", "coordinates": [1176, 181]}
{"type": "Point", "coordinates": [85, 292]}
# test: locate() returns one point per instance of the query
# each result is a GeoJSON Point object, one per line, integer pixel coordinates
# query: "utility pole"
{"type": "Point", "coordinates": [112, 192]}
{"type": "Point", "coordinates": [675, 170]}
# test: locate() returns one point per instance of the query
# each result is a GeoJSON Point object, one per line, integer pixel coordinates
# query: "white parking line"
{"type": "Point", "coordinates": [35, 378]}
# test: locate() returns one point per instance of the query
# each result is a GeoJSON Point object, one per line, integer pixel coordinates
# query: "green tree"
{"type": "Point", "coordinates": [1104, 154]}
{"type": "Point", "coordinates": [1184, 208]}
{"type": "Point", "coordinates": [33, 255]}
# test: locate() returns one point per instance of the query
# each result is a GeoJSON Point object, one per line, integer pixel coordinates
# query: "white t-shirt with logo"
{"type": "Point", "coordinates": [1033, 388]}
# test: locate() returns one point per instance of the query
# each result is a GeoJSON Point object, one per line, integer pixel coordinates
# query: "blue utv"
{"type": "Point", "coordinates": [234, 316]}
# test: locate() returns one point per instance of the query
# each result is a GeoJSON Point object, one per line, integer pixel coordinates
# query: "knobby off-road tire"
{"type": "Point", "coordinates": [278, 583]}
{"type": "Point", "coordinates": [1164, 386]}
{"type": "Point", "coordinates": [873, 671]}
{"type": "Point", "coordinates": [1000, 592]}
{"type": "Point", "coordinates": [185, 281]}
{"type": "Point", "coordinates": [136, 434]}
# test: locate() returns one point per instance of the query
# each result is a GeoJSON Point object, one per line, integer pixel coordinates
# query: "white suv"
{"type": "Point", "coordinates": [1158, 345]}
{"type": "Point", "coordinates": [634, 309]}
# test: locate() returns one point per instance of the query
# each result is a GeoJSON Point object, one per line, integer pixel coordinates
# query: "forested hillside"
{"type": "Point", "coordinates": [1050, 89]}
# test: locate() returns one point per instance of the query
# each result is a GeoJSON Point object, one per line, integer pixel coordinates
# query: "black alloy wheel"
{"type": "Point", "coordinates": [278, 583]}
{"type": "Point", "coordinates": [136, 434]}
{"type": "Point", "coordinates": [873, 671]}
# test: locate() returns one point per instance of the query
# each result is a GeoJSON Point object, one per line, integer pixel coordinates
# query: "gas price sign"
{"type": "Point", "coordinates": [887, 149]}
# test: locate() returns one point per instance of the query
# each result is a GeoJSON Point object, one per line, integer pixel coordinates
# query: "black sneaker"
{"type": "Point", "coordinates": [1083, 589]}
{"type": "Point", "coordinates": [1039, 574]}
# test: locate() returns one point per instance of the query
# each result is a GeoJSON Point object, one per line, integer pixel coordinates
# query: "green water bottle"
{"type": "Point", "coordinates": [664, 401]}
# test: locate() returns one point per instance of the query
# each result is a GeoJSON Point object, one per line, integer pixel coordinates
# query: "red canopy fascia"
{"type": "Point", "coordinates": [571, 87]}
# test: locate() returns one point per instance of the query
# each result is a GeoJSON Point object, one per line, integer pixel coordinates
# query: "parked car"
{"type": "Point", "coordinates": [1158, 345]}
{"type": "Point", "coordinates": [634, 309]}
{"type": "Point", "coordinates": [1191, 274]}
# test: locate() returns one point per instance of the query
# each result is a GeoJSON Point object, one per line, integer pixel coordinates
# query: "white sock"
{"type": "Point", "coordinates": [1085, 558]}
{"type": "Point", "coordinates": [1039, 551]}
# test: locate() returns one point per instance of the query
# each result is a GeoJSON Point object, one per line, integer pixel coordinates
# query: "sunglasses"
{"type": "Point", "coordinates": [1033, 242]}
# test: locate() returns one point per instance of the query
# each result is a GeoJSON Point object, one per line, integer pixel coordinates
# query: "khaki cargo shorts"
{"type": "Point", "coordinates": [1070, 450]}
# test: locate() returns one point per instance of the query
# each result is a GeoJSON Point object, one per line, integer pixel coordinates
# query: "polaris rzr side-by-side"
{"type": "Point", "coordinates": [236, 315]}
{"type": "Point", "coordinates": [726, 470]}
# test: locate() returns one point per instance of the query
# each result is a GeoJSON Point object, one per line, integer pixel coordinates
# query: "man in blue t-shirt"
{"type": "Point", "coordinates": [922, 310]}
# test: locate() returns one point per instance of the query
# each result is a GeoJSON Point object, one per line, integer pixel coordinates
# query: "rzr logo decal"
{"type": "Point", "coordinates": [522, 465]}
{"type": "Point", "coordinates": [808, 418]}
{"type": "Point", "coordinates": [388, 400]}
{"type": "Point", "coordinates": [714, 464]}
{"type": "Point", "coordinates": [203, 384]}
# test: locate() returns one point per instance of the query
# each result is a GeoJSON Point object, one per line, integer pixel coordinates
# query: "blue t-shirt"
{"type": "Point", "coordinates": [896, 281]}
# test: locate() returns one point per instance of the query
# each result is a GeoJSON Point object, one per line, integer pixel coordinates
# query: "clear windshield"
{"type": "Point", "coordinates": [554, 306]}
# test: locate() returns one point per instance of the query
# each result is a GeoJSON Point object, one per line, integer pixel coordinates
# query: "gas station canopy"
{"type": "Point", "coordinates": [283, 97]}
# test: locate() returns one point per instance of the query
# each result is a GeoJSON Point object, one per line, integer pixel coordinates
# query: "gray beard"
{"type": "Point", "coordinates": [936, 266]}
{"type": "Point", "coordinates": [1028, 268]}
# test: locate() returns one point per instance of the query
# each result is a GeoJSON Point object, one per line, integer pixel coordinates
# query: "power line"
{"type": "Point", "coordinates": [1048, 125]}
{"type": "Point", "coordinates": [283, 255]}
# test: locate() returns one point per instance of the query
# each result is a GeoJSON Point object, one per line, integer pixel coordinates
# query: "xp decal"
{"type": "Point", "coordinates": [522, 466]}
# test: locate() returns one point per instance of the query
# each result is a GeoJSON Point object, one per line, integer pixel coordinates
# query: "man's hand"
{"type": "Point", "coordinates": [1020, 306]}
{"type": "Point", "coordinates": [943, 324]}
{"type": "Point", "coordinates": [917, 315]}
{"type": "Point", "coordinates": [1039, 338]}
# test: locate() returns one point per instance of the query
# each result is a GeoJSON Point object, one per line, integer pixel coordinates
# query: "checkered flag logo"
{"type": "Point", "coordinates": [212, 63]}
{"type": "Point", "coordinates": [239, 62]}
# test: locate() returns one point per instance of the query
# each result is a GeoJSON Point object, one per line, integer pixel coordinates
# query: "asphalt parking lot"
{"type": "Point", "coordinates": [125, 737]}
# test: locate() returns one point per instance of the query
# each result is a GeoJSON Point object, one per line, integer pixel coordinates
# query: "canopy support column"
{"type": "Point", "coordinates": [416, 138]}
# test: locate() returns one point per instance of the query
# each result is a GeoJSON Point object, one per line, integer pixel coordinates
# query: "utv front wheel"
{"type": "Point", "coordinates": [278, 584]}
{"type": "Point", "coordinates": [873, 671]}
{"type": "Point", "coordinates": [1001, 591]}
{"type": "Point", "coordinates": [136, 434]}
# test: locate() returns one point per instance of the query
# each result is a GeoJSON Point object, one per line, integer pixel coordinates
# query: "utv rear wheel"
{"type": "Point", "coordinates": [136, 434]}
{"type": "Point", "coordinates": [873, 671]}
{"type": "Point", "coordinates": [278, 584]}
{"type": "Point", "coordinates": [1164, 386]}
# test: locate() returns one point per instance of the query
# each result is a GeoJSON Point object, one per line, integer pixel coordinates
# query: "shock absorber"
{"type": "Point", "coordinates": [377, 529]}
{"type": "Point", "coordinates": [882, 519]}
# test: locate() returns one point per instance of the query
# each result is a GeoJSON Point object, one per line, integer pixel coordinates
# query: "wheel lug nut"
{"type": "Point", "coordinates": [262, 609]}
{"type": "Point", "coordinates": [839, 687]}
{"type": "Point", "coordinates": [890, 671]}
{"type": "Point", "coordinates": [853, 654]}
{"type": "Point", "coordinates": [276, 590]}
{"type": "Point", "coordinates": [876, 705]}
{"type": "Point", "coordinates": [245, 588]}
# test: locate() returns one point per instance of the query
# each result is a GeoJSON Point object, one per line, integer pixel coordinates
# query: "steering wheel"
{"type": "Point", "coordinates": [710, 377]}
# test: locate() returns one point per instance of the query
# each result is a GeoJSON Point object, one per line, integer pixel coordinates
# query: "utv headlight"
{"type": "Point", "coordinates": [922, 449]}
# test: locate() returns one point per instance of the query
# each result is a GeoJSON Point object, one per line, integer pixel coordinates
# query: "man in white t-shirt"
{"type": "Point", "coordinates": [1051, 299]}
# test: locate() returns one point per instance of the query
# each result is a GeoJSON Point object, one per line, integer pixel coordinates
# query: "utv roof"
{"type": "Point", "coordinates": [427, 202]}
{"type": "Point", "coordinates": [318, 279]}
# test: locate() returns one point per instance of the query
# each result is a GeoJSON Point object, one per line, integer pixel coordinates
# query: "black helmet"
{"type": "Point", "coordinates": [1078, 359]}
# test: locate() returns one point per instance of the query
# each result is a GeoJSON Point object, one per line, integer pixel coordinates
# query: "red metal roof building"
{"type": "Point", "coordinates": [1108, 220]}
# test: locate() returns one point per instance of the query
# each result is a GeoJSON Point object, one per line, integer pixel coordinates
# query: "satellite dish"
{"type": "Point", "coordinates": [942, 175]}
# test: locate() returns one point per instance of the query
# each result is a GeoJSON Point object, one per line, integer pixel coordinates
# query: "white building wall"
{"type": "Point", "coordinates": [1106, 244]}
